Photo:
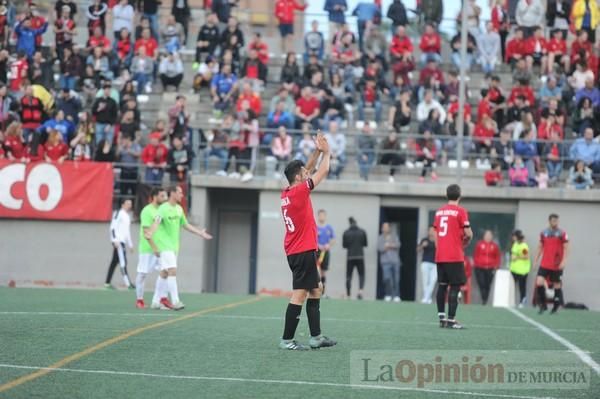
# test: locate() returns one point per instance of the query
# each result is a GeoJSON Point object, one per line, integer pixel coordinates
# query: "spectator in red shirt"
{"type": "Point", "coordinates": [548, 126]}
{"type": "Point", "coordinates": [484, 134]}
{"type": "Point", "coordinates": [64, 30]}
{"type": "Point", "coordinates": [255, 70]}
{"type": "Point", "coordinates": [493, 177]}
{"type": "Point", "coordinates": [537, 50]}
{"type": "Point", "coordinates": [515, 48]}
{"type": "Point", "coordinates": [32, 112]}
{"type": "Point", "coordinates": [18, 71]}
{"type": "Point", "coordinates": [148, 42]}
{"type": "Point", "coordinates": [557, 52]}
{"type": "Point", "coordinates": [522, 89]}
{"type": "Point", "coordinates": [307, 109]}
{"type": "Point", "coordinates": [124, 49]}
{"type": "Point", "coordinates": [99, 40]}
{"type": "Point", "coordinates": [14, 143]}
{"type": "Point", "coordinates": [432, 70]}
{"type": "Point", "coordinates": [154, 157]}
{"type": "Point", "coordinates": [55, 149]}
{"type": "Point", "coordinates": [261, 48]}
{"type": "Point", "coordinates": [37, 22]}
{"type": "Point", "coordinates": [252, 97]}
{"type": "Point", "coordinates": [430, 45]}
{"type": "Point", "coordinates": [284, 12]}
{"type": "Point", "coordinates": [580, 48]}
{"type": "Point", "coordinates": [486, 259]}
{"type": "Point", "coordinates": [401, 47]}
{"type": "Point", "coordinates": [501, 22]}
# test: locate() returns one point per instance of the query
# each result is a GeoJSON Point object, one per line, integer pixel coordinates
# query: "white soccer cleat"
{"type": "Point", "coordinates": [397, 299]}
{"type": "Point", "coordinates": [178, 306]}
{"type": "Point", "coordinates": [387, 298]}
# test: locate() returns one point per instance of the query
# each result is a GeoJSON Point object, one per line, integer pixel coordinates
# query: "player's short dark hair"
{"type": "Point", "coordinates": [519, 235]}
{"type": "Point", "coordinates": [322, 211]}
{"type": "Point", "coordinates": [453, 192]}
{"type": "Point", "coordinates": [155, 191]}
{"type": "Point", "coordinates": [293, 169]}
{"type": "Point", "coordinates": [553, 216]}
{"type": "Point", "coordinates": [171, 189]}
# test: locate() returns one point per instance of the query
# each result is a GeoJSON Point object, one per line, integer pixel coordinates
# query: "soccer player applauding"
{"type": "Point", "coordinates": [301, 247]}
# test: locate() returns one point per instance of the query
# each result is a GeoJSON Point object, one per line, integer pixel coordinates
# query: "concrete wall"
{"type": "Point", "coordinates": [273, 271]}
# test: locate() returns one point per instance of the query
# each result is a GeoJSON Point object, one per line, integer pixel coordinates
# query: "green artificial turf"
{"type": "Point", "coordinates": [232, 353]}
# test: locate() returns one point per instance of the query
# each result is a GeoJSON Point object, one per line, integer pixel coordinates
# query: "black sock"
{"type": "Point", "coordinates": [453, 301]}
{"type": "Point", "coordinates": [441, 298]}
{"type": "Point", "coordinates": [292, 318]}
{"type": "Point", "coordinates": [541, 296]}
{"type": "Point", "coordinates": [314, 316]}
{"type": "Point", "coordinates": [557, 299]}
{"type": "Point", "coordinates": [323, 282]}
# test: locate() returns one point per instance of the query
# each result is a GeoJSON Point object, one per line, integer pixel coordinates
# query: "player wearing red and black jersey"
{"type": "Point", "coordinates": [453, 232]}
{"type": "Point", "coordinates": [551, 256]}
{"type": "Point", "coordinates": [301, 247]}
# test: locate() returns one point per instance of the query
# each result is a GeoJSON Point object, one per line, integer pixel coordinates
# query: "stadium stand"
{"type": "Point", "coordinates": [169, 97]}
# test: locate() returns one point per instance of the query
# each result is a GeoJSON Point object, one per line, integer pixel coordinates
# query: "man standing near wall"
{"type": "Point", "coordinates": [326, 239]}
{"type": "Point", "coordinates": [551, 256]}
{"type": "Point", "coordinates": [453, 233]}
{"type": "Point", "coordinates": [388, 246]}
{"type": "Point", "coordinates": [428, 267]}
{"type": "Point", "coordinates": [301, 247]}
{"type": "Point", "coordinates": [120, 235]}
{"type": "Point", "coordinates": [355, 240]}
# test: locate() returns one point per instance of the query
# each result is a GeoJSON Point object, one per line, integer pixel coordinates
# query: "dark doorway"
{"type": "Point", "coordinates": [405, 221]}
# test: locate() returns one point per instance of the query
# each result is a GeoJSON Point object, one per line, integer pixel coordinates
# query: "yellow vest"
{"type": "Point", "coordinates": [520, 266]}
{"type": "Point", "coordinates": [578, 12]}
{"type": "Point", "coordinates": [45, 97]}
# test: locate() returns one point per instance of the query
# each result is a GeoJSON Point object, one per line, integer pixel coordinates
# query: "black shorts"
{"type": "Point", "coordinates": [325, 260]}
{"type": "Point", "coordinates": [555, 276]}
{"type": "Point", "coordinates": [452, 273]}
{"type": "Point", "coordinates": [286, 29]}
{"type": "Point", "coordinates": [305, 275]}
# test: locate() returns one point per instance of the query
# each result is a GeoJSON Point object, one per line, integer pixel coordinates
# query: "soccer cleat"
{"type": "Point", "coordinates": [443, 323]}
{"type": "Point", "coordinates": [387, 298]}
{"type": "Point", "coordinates": [140, 304]}
{"type": "Point", "coordinates": [543, 308]}
{"type": "Point", "coordinates": [166, 303]}
{"type": "Point", "coordinates": [454, 325]}
{"type": "Point", "coordinates": [321, 342]}
{"type": "Point", "coordinates": [292, 345]}
{"type": "Point", "coordinates": [178, 306]}
{"type": "Point", "coordinates": [131, 287]}
{"type": "Point", "coordinates": [359, 297]}
{"type": "Point", "coordinates": [397, 299]}
{"type": "Point", "coordinates": [108, 286]}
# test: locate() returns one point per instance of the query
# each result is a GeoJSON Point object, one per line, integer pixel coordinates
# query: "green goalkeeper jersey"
{"type": "Point", "coordinates": [172, 219]}
{"type": "Point", "coordinates": [147, 218]}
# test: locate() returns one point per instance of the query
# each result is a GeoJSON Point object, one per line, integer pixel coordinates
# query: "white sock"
{"type": "Point", "coordinates": [172, 282]}
{"type": "Point", "coordinates": [125, 278]}
{"type": "Point", "coordinates": [160, 289]}
{"type": "Point", "coordinates": [139, 285]}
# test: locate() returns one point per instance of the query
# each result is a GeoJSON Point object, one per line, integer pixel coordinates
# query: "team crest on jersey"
{"type": "Point", "coordinates": [285, 201]}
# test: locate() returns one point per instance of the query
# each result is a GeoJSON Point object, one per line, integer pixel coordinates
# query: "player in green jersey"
{"type": "Point", "coordinates": [148, 260]}
{"type": "Point", "coordinates": [165, 233]}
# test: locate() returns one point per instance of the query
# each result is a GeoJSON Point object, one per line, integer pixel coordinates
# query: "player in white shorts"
{"type": "Point", "coordinates": [165, 233]}
{"type": "Point", "coordinates": [148, 259]}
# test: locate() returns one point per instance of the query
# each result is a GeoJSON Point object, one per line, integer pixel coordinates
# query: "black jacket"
{"type": "Point", "coordinates": [552, 13]}
{"type": "Point", "coordinates": [110, 112]}
{"type": "Point", "coordinates": [397, 13]}
{"type": "Point", "coordinates": [354, 240]}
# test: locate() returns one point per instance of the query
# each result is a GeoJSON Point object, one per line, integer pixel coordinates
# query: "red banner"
{"type": "Point", "coordinates": [71, 191]}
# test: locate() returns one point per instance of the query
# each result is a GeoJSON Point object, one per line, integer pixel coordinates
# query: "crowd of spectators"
{"type": "Point", "coordinates": [68, 102]}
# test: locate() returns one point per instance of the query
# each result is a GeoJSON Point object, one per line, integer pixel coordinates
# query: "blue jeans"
{"type": "Point", "coordinates": [391, 279]}
{"type": "Point", "coordinates": [425, 56]}
{"type": "Point", "coordinates": [554, 169]}
{"type": "Point", "coordinates": [153, 25]}
{"type": "Point", "coordinates": [487, 67]}
{"type": "Point", "coordinates": [456, 60]}
{"type": "Point", "coordinates": [102, 135]}
{"type": "Point", "coordinates": [365, 165]}
{"type": "Point", "coordinates": [142, 80]}
{"type": "Point", "coordinates": [220, 153]}
{"type": "Point", "coordinates": [154, 176]}
{"type": "Point", "coordinates": [68, 82]}
{"type": "Point", "coordinates": [361, 110]}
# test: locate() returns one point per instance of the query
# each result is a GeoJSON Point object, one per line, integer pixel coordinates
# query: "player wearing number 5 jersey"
{"type": "Point", "coordinates": [453, 232]}
{"type": "Point", "coordinates": [301, 247]}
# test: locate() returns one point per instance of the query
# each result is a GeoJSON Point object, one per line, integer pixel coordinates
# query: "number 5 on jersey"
{"type": "Point", "coordinates": [443, 226]}
{"type": "Point", "coordinates": [289, 223]}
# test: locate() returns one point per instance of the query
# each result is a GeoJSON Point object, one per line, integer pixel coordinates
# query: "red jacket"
{"type": "Point", "coordinates": [428, 48]}
{"type": "Point", "coordinates": [155, 154]}
{"type": "Point", "coordinates": [484, 108]}
{"type": "Point", "coordinates": [253, 100]}
{"type": "Point", "coordinates": [284, 10]}
{"type": "Point", "coordinates": [453, 110]}
{"type": "Point", "coordinates": [400, 46]}
{"type": "Point", "coordinates": [32, 112]}
{"type": "Point", "coordinates": [557, 46]}
{"type": "Point", "coordinates": [54, 152]}
{"type": "Point", "coordinates": [515, 46]}
{"type": "Point", "coordinates": [500, 18]}
{"type": "Point", "coordinates": [530, 45]}
{"type": "Point", "coordinates": [486, 255]}
{"type": "Point", "coordinates": [525, 91]}
{"type": "Point", "coordinates": [492, 178]}
{"type": "Point", "coordinates": [482, 133]}
{"type": "Point", "coordinates": [428, 72]}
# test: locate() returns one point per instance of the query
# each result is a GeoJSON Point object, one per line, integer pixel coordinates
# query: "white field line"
{"type": "Point", "coordinates": [278, 318]}
{"type": "Point", "coordinates": [282, 382]}
{"type": "Point", "coordinates": [584, 356]}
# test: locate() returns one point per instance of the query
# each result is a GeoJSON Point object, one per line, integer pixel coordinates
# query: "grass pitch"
{"type": "Point", "coordinates": [98, 345]}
